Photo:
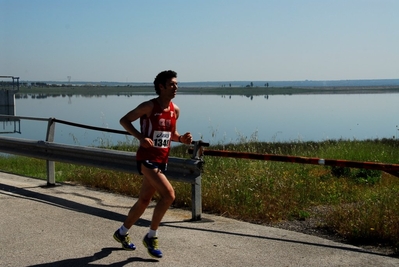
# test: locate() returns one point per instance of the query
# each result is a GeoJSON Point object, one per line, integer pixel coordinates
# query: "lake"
{"type": "Point", "coordinates": [220, 119]}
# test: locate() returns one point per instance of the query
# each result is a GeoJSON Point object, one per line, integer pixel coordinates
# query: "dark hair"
{"type": "Point", "coordinates": [162, 78]}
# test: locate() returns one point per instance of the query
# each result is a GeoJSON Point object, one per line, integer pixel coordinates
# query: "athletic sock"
{"type": "Point", "coordinates": [123, 230]}
{"type": "Point", "coordinates": [152, 233]}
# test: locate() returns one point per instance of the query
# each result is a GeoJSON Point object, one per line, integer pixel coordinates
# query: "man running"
{"type": "Point", "coordinates": [158, 118]}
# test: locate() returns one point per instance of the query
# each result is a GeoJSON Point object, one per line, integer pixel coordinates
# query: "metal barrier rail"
{"type": "Point", "coordinates": [53, 120]}
{"type": "Point", "coordinates": [182, 170]}
{"type": "Point", "coordinates": [386, 167]}
{"type": "Point", "coordinates": [23, 117]}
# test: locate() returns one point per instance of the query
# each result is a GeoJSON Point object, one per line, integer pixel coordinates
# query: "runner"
{"type": "Point", "coordinates": [158, 118]}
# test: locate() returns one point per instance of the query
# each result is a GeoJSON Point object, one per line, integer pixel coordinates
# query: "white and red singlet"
{"type": "Point", "coordinates": [159, 127]}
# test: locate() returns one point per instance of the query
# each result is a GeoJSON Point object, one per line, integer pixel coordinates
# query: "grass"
{"type": "Point", "coordinates": [359, 205]}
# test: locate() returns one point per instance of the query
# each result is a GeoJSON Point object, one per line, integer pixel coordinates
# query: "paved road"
{"type": "Point", "coordinates": [71, 225]}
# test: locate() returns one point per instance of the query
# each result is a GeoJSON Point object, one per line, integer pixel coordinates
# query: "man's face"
{"type": "Point", "coordinates": [170, 87]}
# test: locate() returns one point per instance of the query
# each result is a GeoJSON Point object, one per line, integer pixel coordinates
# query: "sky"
{"type": "Point", "coordinates": [202, 40]}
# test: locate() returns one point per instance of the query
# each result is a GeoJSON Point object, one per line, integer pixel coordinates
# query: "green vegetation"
{"type": "Point", "coordinates": [359, 205]}
{"type": "Point", "coordinates": [134, 90]}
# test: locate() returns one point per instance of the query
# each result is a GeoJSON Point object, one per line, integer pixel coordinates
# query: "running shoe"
{"type": "Point", "coordinates": [124, 240]}
{"type": "Point", "coordinates": [152, 246]}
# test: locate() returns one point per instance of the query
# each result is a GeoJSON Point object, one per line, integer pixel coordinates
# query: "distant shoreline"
{"type": "Point", "coordinates": [144, 90]}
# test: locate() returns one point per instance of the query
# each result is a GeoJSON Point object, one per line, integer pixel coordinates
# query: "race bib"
{"type": "Point", "coordinates": [161, 139]}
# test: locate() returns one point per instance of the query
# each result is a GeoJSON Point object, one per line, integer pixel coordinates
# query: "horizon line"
{"type": "Point", "coordinates": [218, 81]}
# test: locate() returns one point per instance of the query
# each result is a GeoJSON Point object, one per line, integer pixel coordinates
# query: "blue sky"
{"type": "Point", "coordinates": [207, 40]}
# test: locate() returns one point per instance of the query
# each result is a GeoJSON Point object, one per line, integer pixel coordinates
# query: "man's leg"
{"type": "Point", "coordinates": [167, 195]}
{"type": "Point", "coordinates": [121, 235]}
{"type": "Point", "coordinates": [162, 185]}
{"type": "Point", "coordinates": [146, 193]}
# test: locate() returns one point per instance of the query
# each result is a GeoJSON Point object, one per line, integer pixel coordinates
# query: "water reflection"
{"type": "Point", "coordinates": [7, 107]}
{"type": "Point", "coordinates": [9, 125]}
{"type": "Point", "coordinates": [222, 118]}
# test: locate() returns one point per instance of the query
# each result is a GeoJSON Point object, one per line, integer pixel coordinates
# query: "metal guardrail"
{"type": "Point", "coordinates": [390, 168]}
{"type": "Point", "coordinates": [182, 170]}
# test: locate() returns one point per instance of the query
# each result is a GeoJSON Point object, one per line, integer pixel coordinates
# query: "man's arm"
{"type": "Point", "coordinates": [144, 108]}
{"type": "Point", "coordinates": [185, 138]}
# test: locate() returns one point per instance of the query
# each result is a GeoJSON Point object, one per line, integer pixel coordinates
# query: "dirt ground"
{"type": "Point", "coordinates": [312, 226]}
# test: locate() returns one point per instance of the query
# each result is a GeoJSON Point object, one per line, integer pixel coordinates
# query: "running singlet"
{"type": "Point", "coordinates": [159, 127]}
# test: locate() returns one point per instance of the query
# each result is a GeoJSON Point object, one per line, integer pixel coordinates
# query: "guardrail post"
{"type": "Point", "coordinates": [196, 194]}
{"type": "Point", "coordinates": [196, 199]}
{"type": "Point", "coordinates": [50, 164]}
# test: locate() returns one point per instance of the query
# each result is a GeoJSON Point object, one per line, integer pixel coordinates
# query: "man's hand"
{"type": "Point", "coordinates": [146, 142]}
{"type": "Point", "coordinates": [186, 138]}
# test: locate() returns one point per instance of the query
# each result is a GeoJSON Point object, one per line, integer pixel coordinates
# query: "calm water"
{"type": "Point", "coordinates": [222, 119]}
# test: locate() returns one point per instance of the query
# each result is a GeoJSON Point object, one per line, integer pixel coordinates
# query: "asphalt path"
{"type": "Point", "coordinates": [69, 225]}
